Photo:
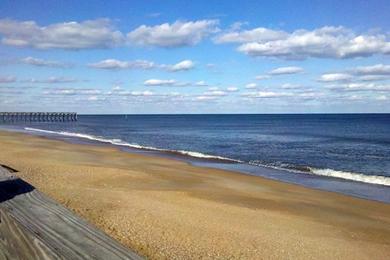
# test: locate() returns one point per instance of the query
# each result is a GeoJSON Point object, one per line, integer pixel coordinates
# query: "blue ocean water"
{"type": "Point", "coordinates": [346, 147]}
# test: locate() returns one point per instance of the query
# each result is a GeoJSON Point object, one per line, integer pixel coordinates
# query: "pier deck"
{"type": "Point", "coordinates": [33, 226]}
{"type": "Point", "coordinates": [38, 116]}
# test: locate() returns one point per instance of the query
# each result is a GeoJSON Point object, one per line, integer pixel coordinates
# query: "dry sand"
{"type": "Point", "coordinates": [167, 209]}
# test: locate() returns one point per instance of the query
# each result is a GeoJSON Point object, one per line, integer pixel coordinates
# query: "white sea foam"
{"type": "Point", "coordinates": [206, 156]}
{"type": "Point", "coordinates": [119, 142]}
{"type": "Point", "coordinates": [352, 176]}
{"type": "Point", "coordinates": [372, 179]}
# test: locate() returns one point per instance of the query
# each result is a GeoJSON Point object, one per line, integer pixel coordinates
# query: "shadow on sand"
{"type": "Point", "coordinates": [13, 187]}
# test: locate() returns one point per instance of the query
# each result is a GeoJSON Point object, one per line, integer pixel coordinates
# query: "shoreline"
{"type": "Point", "coordinates": [153, 205]}
{"type": "Point", "coordinates": [374, 187]}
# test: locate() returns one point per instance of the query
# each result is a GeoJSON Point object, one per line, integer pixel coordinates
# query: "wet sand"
{"type": "Point", "coordinates": [168, 209]}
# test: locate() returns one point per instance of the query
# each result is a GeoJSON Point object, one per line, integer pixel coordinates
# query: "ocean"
{"type": "Point", "coordinates": [346, 153]}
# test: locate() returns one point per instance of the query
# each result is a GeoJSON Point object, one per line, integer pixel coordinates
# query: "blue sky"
{"type": "Point", "coordinates": [195, 56]}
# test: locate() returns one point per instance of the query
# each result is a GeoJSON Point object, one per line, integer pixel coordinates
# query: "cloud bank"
{"type": "Point", "coordinates": [68, 35]}
{"type": "Point", "coordinates": [177, 34]}
{"type": "Point", "coordinates": [325, 42]}
{"type": "Point", "coordinates": [113, 64]}
{"type": "Point", "coordinates": [286, 70]}
{"type": "Point", "coordinates": [44, 63]}
{"type": "Point", "coordinates": [362, 73]}
{"type": "Point", "coordinates": [100, 33]}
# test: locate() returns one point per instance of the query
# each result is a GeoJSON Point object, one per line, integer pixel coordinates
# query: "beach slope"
{"type": "Point", "coordinates": [163, 208]}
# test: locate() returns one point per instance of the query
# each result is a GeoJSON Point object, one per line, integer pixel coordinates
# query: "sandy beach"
{"type": "Point", "coordinates": [168, 209]}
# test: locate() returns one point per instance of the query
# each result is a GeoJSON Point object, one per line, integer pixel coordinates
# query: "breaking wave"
{"type": "Point", "coordinates": [373, 179]}
{"type": "Point", "coordinates": [119, 142]}
{"type": "Point", "coordinates": [352, 176]}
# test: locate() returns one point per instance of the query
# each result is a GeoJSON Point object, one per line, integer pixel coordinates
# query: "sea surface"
{"type": "Point", "coordinates": [347, 153]}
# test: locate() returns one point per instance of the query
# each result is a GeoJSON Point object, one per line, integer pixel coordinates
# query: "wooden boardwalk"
{"type": "Point", "coordinates": [33, 226]}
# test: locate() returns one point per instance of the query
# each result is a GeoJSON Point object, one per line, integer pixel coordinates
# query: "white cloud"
{"type": "Point", "coordinates": [301, 96]}
{"type": "Point", "coordinates": [359, 74]}
{"type": "Point", "coordinates": [266, 94]}
{"type": "Point", "coordinates": [382, 98]}
{"type": "Point", "coordinates": [113, 64]}
{"type": "Point", "coordinates": [232, 89]}
{"type": "Point", "coordinates": [177, 34]}
{"type": "Point", "coordinates": [89, 91]}
{"type": "Point", "coordinates": [308, 95]}
{"type": "Point", "coordinates": [68, 35]}
{"type": "Point", "coordinates": [142, 93]}
{"type": "Point", "coordinates": [44, 63]}
{"type": "Point", "coordinates": [160, 82]}
{"type": "Point", "coordinates": [64, 92]}
{"type": "Point", "coordinates": [121, 92]}
{"type": "Point", "coordinates": [361, 87]}
{"type": "Point", "coordinates": [95, 98]}
{"type": "Point", "coordinates": [354, 97]}
{"type": "Point", "coordinates": [72, 91]}
{"type": "Point", "coordinates": [7, 79]}
{"type": "Point", "coordinates": [262, 77]}
{"type": "Point", "coordinates": [378, 69]}
{"type": "Point", "coordinates": [183, 65]}
{"type": "Point", "coordinates": [213, 94]}
{"type": "Point", "coordinates": [183, 84]}
{"type": "Point", "coordinates": [250, 85]}
{"type": "Point", "coordinates": [52, 80]}
{"type": "Point", "coordinates": [234, 27]}
{"type": "Point", "coordinates": [285, 70]}
{"type": "Point", "coordinates": [217, 93]}
{"type": "Point", "coordinates": [201, 83]}
{"type": "Point", "coordinates": [374, 77]}
{"type": "Point", "coordinates": [256, 35]}
{"type": "Point", "coordinates": [291, 86]}
{"type": "Point", "coordinates": [175, 83]}
{"type": "Point", "coordinates": [205, 98]}
{"type": "Point", "coordinates": [325, 42]}
{"type": "Point", "coordinates": [332, 77]}
{"type": "Point", "coordinates": [277, 72]}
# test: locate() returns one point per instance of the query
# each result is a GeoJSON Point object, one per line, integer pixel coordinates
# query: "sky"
{"type": "Point", "coordinates": [179, 57]}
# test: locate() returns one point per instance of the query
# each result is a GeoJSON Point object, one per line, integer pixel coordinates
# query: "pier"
{"type": "Point", "coordinates": [38, 117]}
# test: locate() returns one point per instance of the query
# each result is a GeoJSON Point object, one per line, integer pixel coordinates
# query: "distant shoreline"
{"type": "Point", "coordinates": [320, 113]}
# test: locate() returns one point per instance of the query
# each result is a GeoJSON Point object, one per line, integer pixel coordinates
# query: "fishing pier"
{"type": "Point", "coordinates": [38, 117]}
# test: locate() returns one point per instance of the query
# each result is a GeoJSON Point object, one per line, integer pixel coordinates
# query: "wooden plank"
{"type": "Point", "coordinates": [35, 225]}
{"type": "Point", "coordinates": [18, 243]}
